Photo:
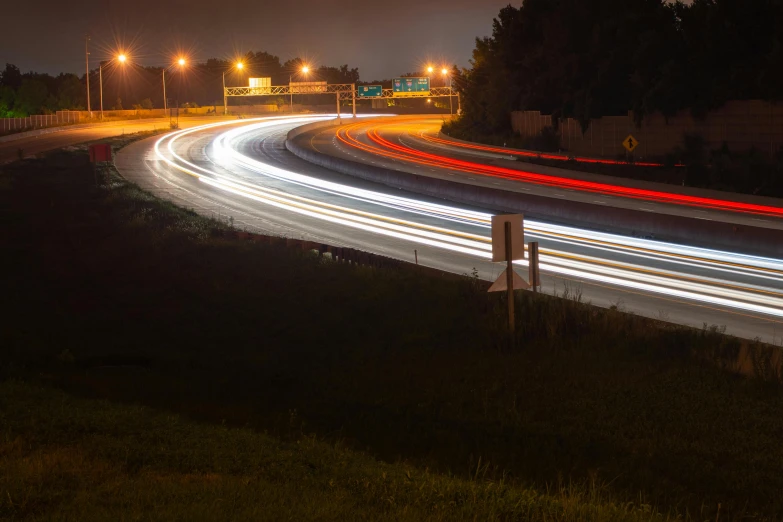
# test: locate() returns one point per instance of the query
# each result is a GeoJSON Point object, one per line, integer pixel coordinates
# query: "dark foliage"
{"type": "Point", "coordinates": [572, 58]}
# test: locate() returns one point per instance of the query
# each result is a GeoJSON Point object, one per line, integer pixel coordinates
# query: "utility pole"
{"type": "Point", "coordinates": [87, 61]}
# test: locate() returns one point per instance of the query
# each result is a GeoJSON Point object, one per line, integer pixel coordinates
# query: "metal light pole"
{"type": "Point", "coordinates": [165, 104]}
{"type": "Point", "coordinates": [451, 98]}
{"type": "Point", "coordinates": [240, 66]}
{"type": "Point", "coordinates": [225, 98]}
{"type": "Point", "coordinates": [120, 58]}
{"type": "Point", "coordinates": [291, 92]}
{"type": "Point", "coordinates": [100, 82]}
{"type": "Point", "coordinates": [445, 73]}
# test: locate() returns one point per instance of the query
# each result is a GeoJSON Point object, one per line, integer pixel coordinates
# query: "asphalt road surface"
{"type": "Point", "coordinates": [242, 172]}
{"type": "Point", "coordinates": [32, 145]}
{"type": "Point", "coordinates": [412, 144]}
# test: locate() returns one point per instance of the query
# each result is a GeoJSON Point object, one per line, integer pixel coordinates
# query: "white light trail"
{"type": "Point", "coordinates": [712, 290]}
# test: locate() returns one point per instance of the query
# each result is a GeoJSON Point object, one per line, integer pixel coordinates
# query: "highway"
{"type": "Point", "coordinates": [413, 144]}
{"type": "Point", "coordinates": [242, 170]}
{"type": "Point", "coordinates": [56, 138]}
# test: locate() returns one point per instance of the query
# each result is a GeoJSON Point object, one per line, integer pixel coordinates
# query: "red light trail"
{"type": "Point", "coordinates": [387, 149]}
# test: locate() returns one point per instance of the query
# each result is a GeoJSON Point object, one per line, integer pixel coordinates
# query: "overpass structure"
{"type": "Point", "coordinates": [342, 91]}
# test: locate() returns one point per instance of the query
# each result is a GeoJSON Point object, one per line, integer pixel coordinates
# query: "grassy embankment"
{"type": "Point", "coordinates": [243, 376]}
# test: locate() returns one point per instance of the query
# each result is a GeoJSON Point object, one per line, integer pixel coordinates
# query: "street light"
{"type": "Point", "coordinates": [181, 62]}
{"type": "Point", "coordinates": [445, 72]}
{"type": "Point", "coordinates": [305, 69]}
{"type": "Point", "coordinates": [120, 58]}
{"type": "Point", "coordinates": [239, 66]}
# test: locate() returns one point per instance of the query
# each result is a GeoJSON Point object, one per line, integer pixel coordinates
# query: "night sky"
{"type": "Point", "coordinates": [383, 39]}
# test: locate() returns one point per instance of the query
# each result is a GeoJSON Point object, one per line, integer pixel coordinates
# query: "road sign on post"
{"type": "Point", "coordinates": [370, 91]}
{"type": "Point", "coordinates": [517, 237]}
{"type": "Point", "coordinates": [508, 244]}
{"type": "Point", "coordinates": [630, 143]}
{"type": "Point", "coordinates": [100, 152]}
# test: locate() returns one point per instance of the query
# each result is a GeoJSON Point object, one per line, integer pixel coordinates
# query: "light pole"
{"type": "Point", "coordinates": [305, 70]}
{"type": "Point", "coordinates": [120, 58]}
{"type": "Point", "coordinates": [181, 62]}
{"type": "Point", "coordinates": [87, 61]}
{"type": "Point", "coordinates": [445, 72]}
{"type": "Point", "coordinates": [240, 66]}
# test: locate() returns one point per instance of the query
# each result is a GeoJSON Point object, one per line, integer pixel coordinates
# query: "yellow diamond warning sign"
{"type": "Point", "coordinates": [630, 143]}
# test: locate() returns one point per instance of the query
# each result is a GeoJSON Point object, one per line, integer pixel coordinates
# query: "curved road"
{"type": "Point", "coordinates": [413, 144]}
{"type": "Point", "coordinates": [243, 170]}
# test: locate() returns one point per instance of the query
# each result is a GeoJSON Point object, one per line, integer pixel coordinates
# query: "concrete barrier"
{"type": "Point", "coordinates": [678, 229]}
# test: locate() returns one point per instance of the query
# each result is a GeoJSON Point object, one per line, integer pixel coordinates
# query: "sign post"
{"type": "Point", "coordinates": [534, 274]}
{"type": "Point", "coordinates": [630, 143]}
{"type": "Point", "coordinates": [509, 281]}
{"type": "Point", "coordinates": [508, 244]}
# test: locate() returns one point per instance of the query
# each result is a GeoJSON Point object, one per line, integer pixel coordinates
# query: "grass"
{"type": "Point", "coordinates": [119, 296]}
{"type": "Point", "coordinates": [63, 458]}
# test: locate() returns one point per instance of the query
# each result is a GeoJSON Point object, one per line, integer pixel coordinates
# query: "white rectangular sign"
{"type": "Point", "coordinates": [499, 237]}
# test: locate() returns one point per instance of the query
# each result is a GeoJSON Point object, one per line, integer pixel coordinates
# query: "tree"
{"type": "Point", "coordinates": [7, 98]}
{"type": "Point", "coordinates": [11, 77]}
{"type": "Point", "coordinates": [340, 74]}
{"type": "Point", "coordinates": [31, 97]}
{"type": "Point", "coordinates": [572, 58]}
{"type": "Point", "coordinates": [70, 92]}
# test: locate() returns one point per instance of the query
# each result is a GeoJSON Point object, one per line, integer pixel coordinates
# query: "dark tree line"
{"type": "Point", "coordinates": [573, 58]}
{"type": "Point", "coordinates": [131, 86]}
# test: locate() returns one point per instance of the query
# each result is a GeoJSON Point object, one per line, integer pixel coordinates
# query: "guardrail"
{"type": "Point", "coordinates": [337, 254]}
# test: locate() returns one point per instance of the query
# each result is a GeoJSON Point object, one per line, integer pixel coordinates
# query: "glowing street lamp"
{"type": "Point", "coordinates": [445, 72]}
{"type": "Point", "coordinates": [304, 70]}
{"type": "Point", "coordinates": [182, 62]}
{"type": "Point", "coordinates": [122, 58]}
{"type": "Point", "coordinates": [239, 66]}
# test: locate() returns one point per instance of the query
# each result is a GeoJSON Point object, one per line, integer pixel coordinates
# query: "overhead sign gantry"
{"type": "Point", "coordinates": [414, 88]}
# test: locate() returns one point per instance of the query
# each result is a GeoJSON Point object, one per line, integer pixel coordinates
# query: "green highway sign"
{"type": "Point", "coordinates": [405, 85]}
{"type": "Point", "coordinates": [370, 91]}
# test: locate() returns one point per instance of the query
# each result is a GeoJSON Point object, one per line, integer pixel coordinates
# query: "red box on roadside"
{"type": "Point", "coordinates": [100, 152]}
